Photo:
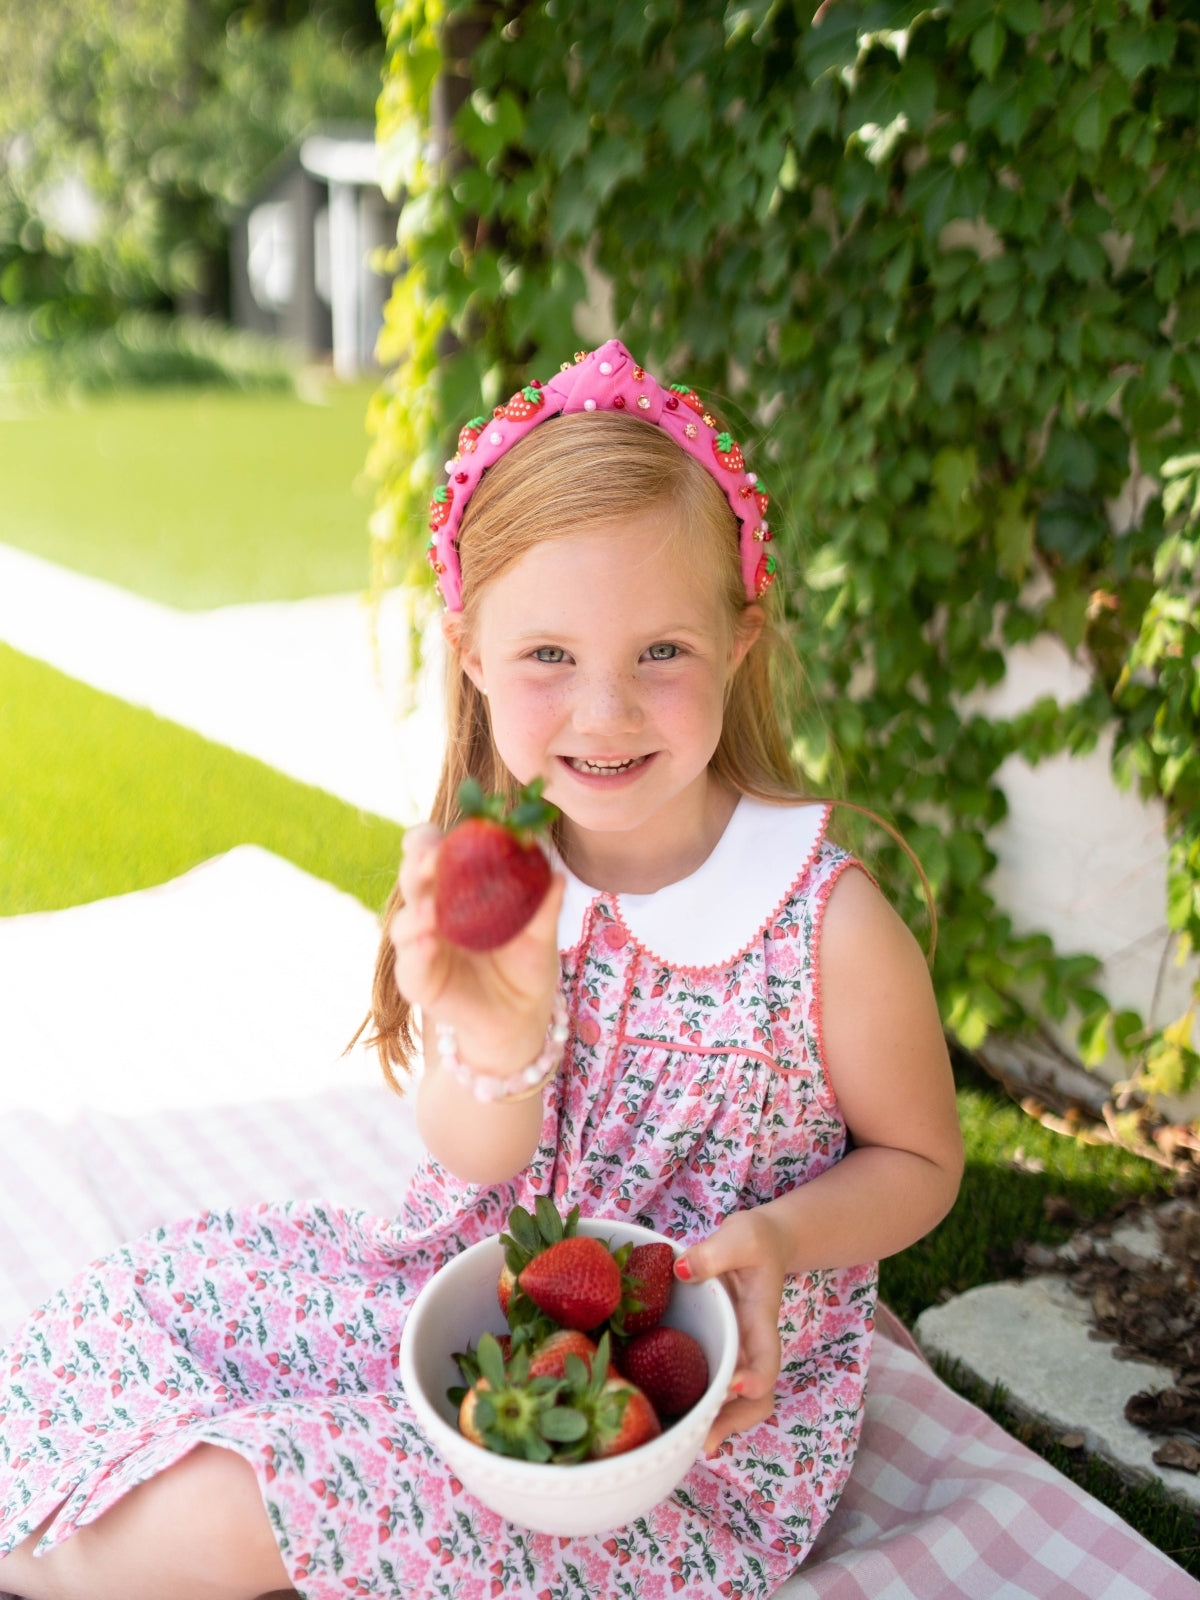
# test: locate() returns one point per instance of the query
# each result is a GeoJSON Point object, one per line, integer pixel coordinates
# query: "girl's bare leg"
{"type": "Point", "coordinates": [197, 1531]}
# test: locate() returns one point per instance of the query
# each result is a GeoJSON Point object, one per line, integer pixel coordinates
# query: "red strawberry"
{"type": "Point", "coordinates": [469, 433]}
{"type": "Point", "coordinates": [729, 453]}
{"type": "Point", "coordinates": [689, 397]}
{"type": "Point", "coordinates": [439, 506]}
{"type": "Point", "coordinates": [549, 1360]}
{"type": "Point", "coordinates": [622, 1419]}
{"type": "Point", "coordinates": [577, 1282]}
{"type": "Point", "coordinates": [765, 576]}
{"type": "Point", "coordinates": [527, 1237]}
{"type": "Point", "coordinates": [669, 1367]}
{"type": "Point", "coordinates": [523, 404]}
{"type": "Point", "coordinates": [649, 1276]}
{"type": "Point", "coordinates": [491, 873]}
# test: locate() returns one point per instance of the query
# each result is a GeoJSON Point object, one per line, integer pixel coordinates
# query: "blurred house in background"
{"type": "Point", "coordinates": [300, 250]}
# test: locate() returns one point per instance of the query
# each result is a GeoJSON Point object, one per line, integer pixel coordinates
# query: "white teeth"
{"type": "Point", "coordinates": [582, 765]}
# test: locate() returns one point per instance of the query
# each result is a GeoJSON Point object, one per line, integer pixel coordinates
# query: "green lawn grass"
{"type": "Point", "coordinates": [195, 497]}
{"type": "Point", "coordinates": [98, 798]}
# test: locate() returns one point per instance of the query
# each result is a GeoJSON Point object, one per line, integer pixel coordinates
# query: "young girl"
{"type": "Point", "coordinates": [754, 1067]}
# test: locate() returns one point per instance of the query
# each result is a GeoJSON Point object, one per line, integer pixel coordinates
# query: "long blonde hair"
{"type": "Point", "coordinates": [570, 473]}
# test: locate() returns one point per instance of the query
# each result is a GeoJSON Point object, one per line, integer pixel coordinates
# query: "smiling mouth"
{"type": "Point", "coordinates": [604, 768]}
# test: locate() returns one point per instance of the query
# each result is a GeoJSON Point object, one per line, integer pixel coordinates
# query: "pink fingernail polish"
{"type": "Point", "coordinates": [683, 1271]}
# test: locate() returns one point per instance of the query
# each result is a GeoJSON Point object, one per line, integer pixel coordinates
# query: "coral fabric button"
{"type": "Point", "coordinates": [614, 935]}
{"type": "Point", "coordinates": [587, 1030]}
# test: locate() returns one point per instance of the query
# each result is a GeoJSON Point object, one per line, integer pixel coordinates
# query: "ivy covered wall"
{"type": "Point", "coordinates": [941, 264]}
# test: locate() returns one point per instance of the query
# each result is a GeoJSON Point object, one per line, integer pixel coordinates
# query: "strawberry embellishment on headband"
{"type": "Point", "coordinates": [523, 404]}
{"type": "Point", "coordinates": [688, 396]}
{"type": "Point", "coordinates": [469, 433]}
{"type": "Point", "coordinates": [440, 506]}
{"type": "Point", "coordinates": [729, 453]}
{"type": "Point", "coordinates": [607, 379]}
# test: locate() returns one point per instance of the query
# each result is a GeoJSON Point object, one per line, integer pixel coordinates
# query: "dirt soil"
{"type": "Point", "coordinates": [1147, 1306]}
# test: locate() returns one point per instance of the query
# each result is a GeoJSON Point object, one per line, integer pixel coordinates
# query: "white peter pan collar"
{"type": "Point", "coordinates": [716, 912]}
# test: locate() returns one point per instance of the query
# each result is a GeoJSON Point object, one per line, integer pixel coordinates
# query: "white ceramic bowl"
{"type": "Point", "coordinates": [459, 1303]}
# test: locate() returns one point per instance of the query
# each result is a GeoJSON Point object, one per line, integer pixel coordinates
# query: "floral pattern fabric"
{"type": "Point", "coordinates": [274, 1331]}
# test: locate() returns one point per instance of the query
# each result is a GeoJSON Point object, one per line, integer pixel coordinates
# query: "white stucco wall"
{"type": "Point", "coordinates": [1085, 861]}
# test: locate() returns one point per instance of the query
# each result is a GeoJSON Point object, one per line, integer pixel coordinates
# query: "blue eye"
{"type": "Point", "coordinates": [663, 652]}
{"type": "Point", "coordinates": [549, 653]}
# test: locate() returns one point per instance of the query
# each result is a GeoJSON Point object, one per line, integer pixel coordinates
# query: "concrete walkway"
{"type": "Point", "coordinates": [319, 689]}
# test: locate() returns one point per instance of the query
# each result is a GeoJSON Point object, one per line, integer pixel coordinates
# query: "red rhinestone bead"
{"type": "Point", "coordinates": [460, 477]}
{"type": "Point", "coordinates": [619, 402]}
{"type": "Point", "coordinates": [672, 402]}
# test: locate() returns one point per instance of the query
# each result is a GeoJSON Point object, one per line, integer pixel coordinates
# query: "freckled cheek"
{"type": "Point", "coordinates": [686, 707]}
{"type": "Point", "coordinates": [524, 719]}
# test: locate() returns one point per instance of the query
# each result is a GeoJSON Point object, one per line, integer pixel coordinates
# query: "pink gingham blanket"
{"type": "Point", "coordinates": [941, 1505]}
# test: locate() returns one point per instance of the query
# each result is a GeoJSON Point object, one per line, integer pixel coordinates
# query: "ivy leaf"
{"type": "Point", "coordinates": [987, 46]}
{"type": "Point", "coordinates": [1014, 531]}
{"type": "Point", "coordinates": [1022, 16]}
{"type": "Point", "coordinates": [1075, 40]}
{"type": "Point", "coordinates": [1105, 98]}
{"type": "Point", "coordinates": [1070, 525]}
{"type": "Point", "coordinates": [833, 43]}
{"type": "Point", "coordinates": [1132, 49]}
{"type": "Point", "coordinates": [1067, 615]}
{"type": "Point", "coordinates": [1070, 458]}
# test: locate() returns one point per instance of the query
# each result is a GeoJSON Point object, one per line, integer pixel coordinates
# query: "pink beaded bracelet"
{"type": "Point", "coordinates": [531, 1080]}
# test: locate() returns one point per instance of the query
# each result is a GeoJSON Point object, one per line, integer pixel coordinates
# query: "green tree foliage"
{"type": "Point", "coordinates": [942, 264]}
{"type": "Point", "coordinates": [167, 111]}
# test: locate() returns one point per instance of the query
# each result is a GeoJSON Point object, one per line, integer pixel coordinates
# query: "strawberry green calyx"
{"type": "Point", "coordinates": [529, 1235]}
{"type": "Point", "coordinates": [515, 1415]}
{"type": "Point", "coordinates": [528, 814]}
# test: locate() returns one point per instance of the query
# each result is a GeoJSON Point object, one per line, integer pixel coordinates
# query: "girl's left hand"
{"type": "Point", "coordinates": [746, 1253]}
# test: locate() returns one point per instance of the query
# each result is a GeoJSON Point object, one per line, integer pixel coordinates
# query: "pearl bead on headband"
{"type": "Point", "coordinates": [607, 379]}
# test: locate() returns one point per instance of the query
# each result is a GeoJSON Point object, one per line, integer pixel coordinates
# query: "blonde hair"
{"type": "Point", "coordinates": [570, 473]}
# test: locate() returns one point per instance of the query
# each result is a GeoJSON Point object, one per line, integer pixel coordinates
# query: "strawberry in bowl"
{"type": "Point", "coordinates": [577, 1484]}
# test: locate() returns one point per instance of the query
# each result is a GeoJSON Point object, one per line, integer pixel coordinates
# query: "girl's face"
{"type": "Point", "coordinates": [604, 656]}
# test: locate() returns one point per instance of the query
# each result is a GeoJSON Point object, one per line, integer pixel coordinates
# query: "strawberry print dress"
{"type": "Point", "coordinates": [693, 1087]}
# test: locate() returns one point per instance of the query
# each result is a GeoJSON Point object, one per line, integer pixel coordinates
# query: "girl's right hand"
{"type": "Point", "coordinates": [498, 1001]}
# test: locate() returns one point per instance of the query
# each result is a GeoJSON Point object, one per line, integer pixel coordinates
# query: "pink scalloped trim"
{"type": "Point", "coordinates": [755, 938]}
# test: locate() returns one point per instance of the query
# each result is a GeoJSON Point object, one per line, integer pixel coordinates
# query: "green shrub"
{"type": "Point", "coordinates": [142, 349]}
{"type": "Point", "coordinates": [943, 264]}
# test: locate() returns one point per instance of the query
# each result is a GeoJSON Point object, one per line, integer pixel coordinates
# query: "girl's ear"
{"type": "Point", "coordinates": [749, 625]}
{"type": "Point", "coordinates": [455, 634]}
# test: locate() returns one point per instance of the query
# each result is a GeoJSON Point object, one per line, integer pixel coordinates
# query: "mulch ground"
{"type": "Point", "coordinates": [1147, 1307]}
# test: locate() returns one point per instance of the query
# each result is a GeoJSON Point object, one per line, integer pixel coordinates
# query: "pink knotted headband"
{"type": "Point", "coordinates": [607, 379]}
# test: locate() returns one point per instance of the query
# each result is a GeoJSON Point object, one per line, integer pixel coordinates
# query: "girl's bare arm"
{"type": "Point", "coordinates": [886, 1058]}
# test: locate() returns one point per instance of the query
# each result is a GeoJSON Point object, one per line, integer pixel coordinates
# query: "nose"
{"type": "Point", "coordinates": [608, 703]}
